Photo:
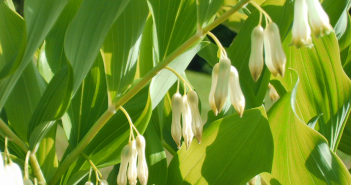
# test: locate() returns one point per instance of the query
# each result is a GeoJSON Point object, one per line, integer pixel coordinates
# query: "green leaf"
{"type": "Point", "coordinates": [87, 105]}
{"type": "Point", "coordinates": [337, 11]}
{"type": "Point", "coordinates": [233, 150]}
{"type": "Point", "coordinates": [121, 48]}
{"type": "Point", "coordinates": [325, 88]}
{"type": "Point", "coordinates": [43, 65]}
{"type": "Point", "coordinates": [55, 39]}
{"type": "Point", "coordinates": [82, 45]}
{"type": "Point", "coordinates": [239, 52]}
{"type": "Point", "coordinates": [161, 83]}
{"type": "Point", "coordinates": [105, 149]}
{"type": "Point", "coordinates": [174, 23]}
{"type": "Point", "coordinates": [53, 104]}
{"type": "Point", "coordinates": [300, 151]}
{"type": "Point", "coordinates": [40, 16]}
{"type": "Point", "coordinates": [206, 11]}
{"type": "Point", "coordinates": [146, 56]}
{"type": "Point", "coordinates": [28, 90]}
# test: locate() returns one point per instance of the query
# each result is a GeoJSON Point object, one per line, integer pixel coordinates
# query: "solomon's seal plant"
{"type": "Point", "coordinates": [100, 92]}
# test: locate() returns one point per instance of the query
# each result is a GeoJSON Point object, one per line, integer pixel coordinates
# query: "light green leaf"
{"type": "Point", "coordinates": [120, 49]}
{"type": "Point", "coordinates": [301, 155]}
{"type": "Point", "coordinates": [55, 39]}
{"type": "Point", "coordinates": [325, 87]}
{"type": "Point", "coordinates": [233, 150]}
{"type": "Point", "coordinates": [337, 11]}
{"type": "Point", "coordinates": [239, 51]}
{"type": "Point", "coordinates": [82, 45]}
{"type": "Point", "coordinates": [206, 11]}
{"type": "Point", "coordinates": [28, 90]}
{"type": "Point", "coordinates": [161, 83]}
{"type": "Point", "coordinates": [43, 66]}
{"type": "Point", "coordinates": [87, 105]}
{"type": "Point", "coordinates": [146, 56]}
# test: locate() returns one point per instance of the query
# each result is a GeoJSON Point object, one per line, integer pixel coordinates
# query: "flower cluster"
{"type": "Point", "coordinates": [10, 173]}
{"type": "Point", "coordinates": [133, 163]}
{"type": "Point", "coordinates": [225, 78]}
{"type": "Point", "coordinates": [186, 107]}
{"type": "Point", "coordinates": [309, 13]}
{"type": "Point", "coordinates": [275, 58]}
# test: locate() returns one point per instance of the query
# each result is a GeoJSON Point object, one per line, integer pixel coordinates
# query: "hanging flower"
{"type": "Point", "coordinates": [273, 94]}
{"type": "Point", "coordinates": [301, 32]}
{"type": "Point", "coordinates": [103, 182]}
{"type": "Point", "coordinates": [236, 95]}
{"type": "Point", "coordinates": [319, 20]}
{"type": "Point", "coordinates": [132, 167]}
{"type": "Point", "coordinates": [2, 170]}
{"type": "Point", "coordinates": [195, 114]}
{"type": "Point", "coordinates": [221, 92]}
{"type": "Point", "coordinates": [13, 174]}
{"type": "Point", "coordinates": [187, 119]}
{"type": "Point", "coordinates": [143, 172]}
{"type": "Point", "coordinates": [268, 55]}
{"type": "Point", "coordinates": [122, 175]}
{"type": "Point", "coordinates": [277, 52]}
{"type": "Point", "coordinates": [213, 89]}
{"type": "Point", "coordinates": [176, 128]}
{"type": "Point", "coordinates": [90, 183]}
{"type": "Point", "coordinates": [256, 55]}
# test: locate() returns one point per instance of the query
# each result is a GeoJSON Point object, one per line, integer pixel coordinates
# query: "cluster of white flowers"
{"type": "Point", "coordinates": [225, 78]}
{"type": "Point", "coordinates": [133, 163]}
{"type": "Point", "coordinates": [186, 107]}
{"type": "Point", "coordinates": [275, 58]}
{"type": "Point", "coordinates": [10, 173]}
{"type": "Point", "coordinates": [309, 13]}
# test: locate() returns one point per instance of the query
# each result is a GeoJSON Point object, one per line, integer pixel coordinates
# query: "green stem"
{"type": "Point", "coordinates": [168, 148]}
{"type": "Point", "coordinates": [32, 159]}
{"type": "Point", "coordinates": [179, 76]}
{"type": "Point", "coordinates": [135, 89]}
{"type": "Point", "coordinates": [259, 8]}
{"type": "Point", "coordinates": [91, 164]}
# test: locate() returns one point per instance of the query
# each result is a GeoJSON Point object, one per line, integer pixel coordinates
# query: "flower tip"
{"type": "Point", "coordinates": [255, 76]}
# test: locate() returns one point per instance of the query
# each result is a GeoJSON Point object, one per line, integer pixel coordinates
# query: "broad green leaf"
{"type": "Point", "coordinates": [161, 83]}
{"type": "Point", "coordinates": [105, 149]}
{"type": "Point", "coordinates": [174, 23]}
{"type": "Point", "coordinates": [337, 11]}
{"type": "Point", "coordinates": [206, 11]}
{"type": "Point", "coordinates": [146, 56]}
{"type": "Point", "coordinates": [87, 105]}
{"type": "Point", "coordinates": [239, 52]}
{"type": "Point", "coordinates": [86, 33]}
{"type": "Point", "coordinates": [43, 65]}
{"type": "Point", "coordinates": [23, 100]}
{"type": "Point", "coordinates": [52, 105]}
{"type": "Point", "coordinates": [55, 39]}
{"type": "Point", "coordinates": [301, 154]}
{"type": "Point", "coordinates": [121, 48]}
{"type": "Point", "coordinates": [40, 16]}
{"type": "Point", "coordinates": [232, 151]}
{"type": "Point", "coordinates": [155, 156]}
{"type": "Point", "coordinates": [325, 87]}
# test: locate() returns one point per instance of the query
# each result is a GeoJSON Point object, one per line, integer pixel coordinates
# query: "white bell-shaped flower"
{"type": "Point", "coordinates": [90, 183]}
{"type": "Point", "coordinates": [211, 99]}
{"type": "Point", "coordinates": [256, 55]}
{"type": "Point", "coordinates": [273, 94]}
{"type": "Point", "coordinates": [132, 168]}
{"type": "Point", "coordinates": [122, 174]}
{"type": "Point", "coordinates": [29, 182]}
{"type": "Point", "coordinates": [301, 31]}
{"type": "Point", "coordinates": [221, 92]}
{"type": "Point", "coordinates": [13, 174]}
{"type": "Point", "coordinates": [268, 55]}
{"type": "Point", "coordinates": [236, 95]}
{"type": "Point", "coordinates": [278, 55]}
{"type": "Point", "coordinates": [197, 125]}
{"type": "Point", "coordinates": [187, 119]}
{"type": "Point", "coordinates": [176, 128]}
{"type": "Point", "coordinates": [143, 172]}
{"type": "Point", "coordinates": [103, 182]}
{"type": "Point", "coordinates": [2, 171]}
{"type": "Point", "coordinates": [319, 20]}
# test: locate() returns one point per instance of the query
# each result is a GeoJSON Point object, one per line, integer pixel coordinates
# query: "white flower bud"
{"type": "Point", "coordinates": [29, 182]}
{"type": "Point", "coordinates": [256, 56]}
{"type": "Point", "coordinates": [301, 31]}
{"type": "Point", "coordinates": [186, 117]}
{"type": "Point", "coordinates": [196, 125]}
{"type": "Point", "coordinates": [103, 182]}
{"type": "Point", "coordinates": [132, 168]}
{"type": "Point", "coordinates": [2, 171]}
{"type": "Point", "coordinates": [278, 55]}
{"type": "Point", "coordinates": [221, 92]}
{"type": "Point", "coordinates": [176, 128]}
{"type": "Point", "coordinates": [236, 95]}
{"type": "Point", "coordinates": [273, 94]}
{"type": "Point", "coordinates": [211, 99]}
{"type": "Point", "coordinates": [319, 20]}
{"type": "Point", "coordinates": [122, 174]}
{"type": "Point", "coordinates": [13, 174]}
{"type": "Point", "coordinates": [253, 181]}
{"type": "Point", "coordinates": [143, 172]}
{"type": "Point", "coordinates": [268, 55]}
